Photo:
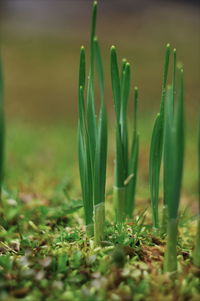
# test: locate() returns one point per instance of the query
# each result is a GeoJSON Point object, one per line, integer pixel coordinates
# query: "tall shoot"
{"type": "Point", "coordinates": [157, 146]}
{"type": "Point", "coordinates": [133, 164]}
{"type": "Point", "coordinates": [173, 168]}
{"type": "Point", "coordinates": [125, 165]}
{"type": "Point", "coordinates": [92, 139]}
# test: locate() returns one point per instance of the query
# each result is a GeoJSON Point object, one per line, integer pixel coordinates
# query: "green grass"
{"type": "Point", "coordinates": [156, 148]}
{"type": "Point", "coordinates": [126, 162]}
{"type": "Point", "coordinates": [92, 139]}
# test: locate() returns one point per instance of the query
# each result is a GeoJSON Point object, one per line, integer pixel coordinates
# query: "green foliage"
{"type": "Point", "coordinates": [154, 167]}
{"type": "Point", "coordinates": [173, 167]}
{"type": "Point", "coordinates": [133, 164]}
{"type": "Point", "coordinates": [92, 138]}
{"type": "Point", "coordinates": [157, 146]}
{"type": "Point", "coordinates": [120, 172]}
{"type": "Point", "coordinates": [125, 166]}
{"type": "Point", "coordinates": [174, 148]}
{"type": "Point", "coordinates": [41, 245]}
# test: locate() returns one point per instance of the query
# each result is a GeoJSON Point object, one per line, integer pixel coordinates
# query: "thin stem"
{"type": "Point", "coordinates": [119, 196]}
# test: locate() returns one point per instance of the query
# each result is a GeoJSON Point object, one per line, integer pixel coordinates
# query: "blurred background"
{"type": "Point", "coordinates": [40, 42]}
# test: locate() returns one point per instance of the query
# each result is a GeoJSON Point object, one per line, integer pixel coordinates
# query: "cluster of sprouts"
{"type": "Point", "coordinates": [167, 148]}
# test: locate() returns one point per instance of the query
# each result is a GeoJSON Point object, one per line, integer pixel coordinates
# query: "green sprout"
{"type": "Point", "coordinates": [92, 139]}
{"type": "Point", "coordinates": [173, 167]}
{"type": "Point", "coordinates": [125, 167]}
{"type": "Point", "coordinates": [156, 147]}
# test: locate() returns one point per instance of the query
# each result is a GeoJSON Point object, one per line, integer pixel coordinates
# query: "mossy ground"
{"type": "Point", "coordinates": [45, 254]}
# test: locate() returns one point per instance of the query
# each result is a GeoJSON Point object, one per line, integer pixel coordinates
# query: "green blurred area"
{"type": "Point", "coordinates": [41, 62]}
{"type": "Point", "coordinates": [41, 158]}
{"type": "Point", "coordinates": [41, 72]}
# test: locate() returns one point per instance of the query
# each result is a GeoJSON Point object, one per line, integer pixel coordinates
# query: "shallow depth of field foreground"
{"type": "Point", "coordinates": [99, 151]}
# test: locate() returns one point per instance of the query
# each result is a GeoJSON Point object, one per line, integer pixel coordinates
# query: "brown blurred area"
{"type": "Point", "coordinates": [40, 42]}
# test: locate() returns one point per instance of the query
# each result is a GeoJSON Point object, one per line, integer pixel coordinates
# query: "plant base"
{"type": "Point", "coordinates": [99, 222]}
{"type": "Point", "coordinates": [119, 198]}
{"type": "Point", "coordinates": [170, 260]}
{"type": "Point", "coordinates": [163, 229]}
{"type": "Point", "coordinates": [90, 230]}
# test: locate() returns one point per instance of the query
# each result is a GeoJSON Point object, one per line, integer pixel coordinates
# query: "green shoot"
{"type": "Point", "coordinates": [165, 159]}
{"type": "Point", "coordinates": [173, 169]}
{"type": "Point", "coordinates": [157, 146]}
{"type": "Point", "coordinates": [133, 166]}
{"type": "Point", "coordinates": [125, 167]}
{"type": "Point", "coordinates": [92, 138]}
{"type": "Point", "coordinates": [100, 155]}
{"type": "Point", "coordinates": [119, 190]}
{"type": "Point", "coordinates": [154, 167]}
{"type": "Point", "coordinates": [196, 254]}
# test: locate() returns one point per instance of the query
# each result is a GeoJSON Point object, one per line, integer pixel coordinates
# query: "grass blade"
{"type": "Point", "coordinates": [85, 165]}
{"type": "Point", "coordinates": [99, 67]}
{"type": "Point", "coordinates": [174, 154]}
{"type": "Point", "coordinates": [115, 79]}
{"type": "Point", "coordinates": [165, 76]}
{"type": "Point", "coordinates": [119, 189]}
{"type": "Point", "coordinates": [133, 171]}
{"type": "Point", "coordinates": [125, 91]}
{"type": "Point", "coordinates": [84, 151]}
{"type": "Point", "coordinates": [101, 148]}
{"type": "Point", "coordinates": [178, 152]}
{"type": "Point", "coordinates": [133, 164]}
{"type": "Point", "coordinates": [91, 115]}
{"type": "Point", "coordinates": [154, 167]}
{"type": "Point", "coordinates": [157, 145]}
{"type": "Point", "coordinates": [82, 68]}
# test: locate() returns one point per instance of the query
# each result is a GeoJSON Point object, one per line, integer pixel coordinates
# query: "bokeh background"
{"type": "Point", "coordinates": [40, 42]}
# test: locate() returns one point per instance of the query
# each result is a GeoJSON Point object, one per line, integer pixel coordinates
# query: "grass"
{"type": "Point", "coordinates": [92, 136]}
{"type": "Point", "coordinates": [157, 146]}
{"type": "Point", "coordinates": [125, 164]}
{"type": "Point", "coordinates": [173, 167]}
